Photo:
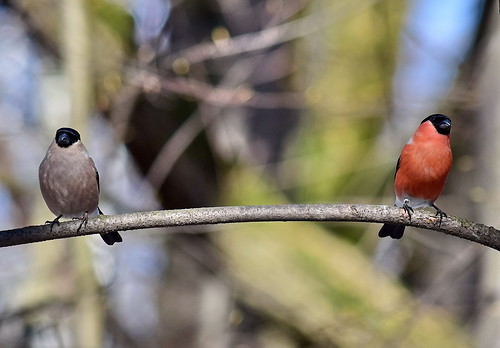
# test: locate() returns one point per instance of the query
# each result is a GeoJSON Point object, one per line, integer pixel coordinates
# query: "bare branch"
{"type": "Point", "coordinates": [218, 96]}
{"type": "Point", "coordinates": [272, 36]}
{"type": "Point", "coordinates": [454, 226]}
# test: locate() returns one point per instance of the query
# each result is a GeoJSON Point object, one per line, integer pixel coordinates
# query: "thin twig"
{"type": "Point", "coordinates": [213, 95]}
{"type": "Point", "coordinates": [454, 226]}
{"type": "Point", "coordinates": [272, 36]}
{"type": "Point", "coordinates": [198, 121]}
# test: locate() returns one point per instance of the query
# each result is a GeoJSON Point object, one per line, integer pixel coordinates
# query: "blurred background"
{"type": "Point", "coordinates": [186, 103]}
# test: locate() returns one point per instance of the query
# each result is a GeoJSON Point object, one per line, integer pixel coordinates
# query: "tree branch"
{"type": "Point", "coordinates": [454, 226]}
{"type": "Point", "coordinates": [271, 36]}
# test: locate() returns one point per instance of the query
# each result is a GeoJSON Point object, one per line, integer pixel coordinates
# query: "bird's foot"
{"type": "Point", "coordinates": [407, 208]}
{"type": "Point", "coordinates": [440, 213]}
{"type": "Point", "coordinates": [53, 222]}
{"type": "Point", "coordinates": [84, 219]}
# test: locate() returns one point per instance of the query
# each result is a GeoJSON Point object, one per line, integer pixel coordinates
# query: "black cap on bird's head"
{"type": "Point", "coordinates": [441, 122]}
{"type": "Point", "coordinates": [66, 137]}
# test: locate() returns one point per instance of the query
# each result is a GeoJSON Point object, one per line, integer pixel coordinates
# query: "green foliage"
{"type": "Point", "coordinates": [116, 18]}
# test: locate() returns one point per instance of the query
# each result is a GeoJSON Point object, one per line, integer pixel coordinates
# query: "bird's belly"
{"type": "Point", "coordinates": [413, 202]}
{"type": "Point", "coordinates": [420, 188]}
{"type": "Point", "coordinates": [70, 196]}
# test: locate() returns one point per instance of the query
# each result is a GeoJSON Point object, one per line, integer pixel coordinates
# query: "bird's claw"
{"type": "Point", "coordinates": [407, 209]}
{"type": "Point", "coordinates": [84, 219]}
{"type": "Point", "coordinates": [53, 222]}
{"type": "Point", "coordinates": [440, 213]}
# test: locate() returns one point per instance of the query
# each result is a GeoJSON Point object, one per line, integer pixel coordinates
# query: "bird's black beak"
{"type": "Point", "coordinates": [445, 125]}
{"type": "Point", "coordinates": [63, 140]}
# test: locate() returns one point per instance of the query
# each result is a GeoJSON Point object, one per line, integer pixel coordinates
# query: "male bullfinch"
{"type": "Point", "coordinates": [422, 169]}
{"type": "Point", "coordinates": [69, 181]}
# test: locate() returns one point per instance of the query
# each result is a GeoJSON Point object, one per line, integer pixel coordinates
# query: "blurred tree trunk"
{"type": "Point", "coordinates": [76, 31]}
{"type": "Point", "coordinates": [488, 175]}
{"type": "Point", "coordinates": [196, 301]}
{"type": "Point", "coordinates": [76, 28]}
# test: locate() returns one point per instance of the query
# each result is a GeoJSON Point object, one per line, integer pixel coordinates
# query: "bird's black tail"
{"type": "Point", "coordinates": [395, 231]}
{"type": "Point", "coordinates": [110, 238]}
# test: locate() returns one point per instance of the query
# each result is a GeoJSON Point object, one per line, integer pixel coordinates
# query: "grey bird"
{"type": "Point", "coordinates": [69, 181]}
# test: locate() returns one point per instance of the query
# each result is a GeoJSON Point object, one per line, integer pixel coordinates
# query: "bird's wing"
{"type": "Point", "coordinates": [397, 167]}
{"type": "Point", "coordinates": [97, 178]}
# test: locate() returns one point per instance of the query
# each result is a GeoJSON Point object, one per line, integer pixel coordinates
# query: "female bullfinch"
{"type": "Point", "coordinates": [69, 181]}
{"type": "Point", "coordinates": [422, 169]}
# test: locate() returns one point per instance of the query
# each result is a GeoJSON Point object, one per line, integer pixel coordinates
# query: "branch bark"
{"type": "Point", "coordinates": [458, 227]}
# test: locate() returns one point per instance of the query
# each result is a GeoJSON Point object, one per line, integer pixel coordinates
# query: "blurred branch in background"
{"type": "Point", "coordinates": [241, 96]}
{"type": "Point", "coordinates": [454, 226]}
{"type": "Point", "coordinates": [275, 35]}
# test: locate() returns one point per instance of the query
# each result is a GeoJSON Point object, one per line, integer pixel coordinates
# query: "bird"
{"type": "Point", "coordinates": [69, 181]}
{"type": "Point", "coordinates": [422, 170]}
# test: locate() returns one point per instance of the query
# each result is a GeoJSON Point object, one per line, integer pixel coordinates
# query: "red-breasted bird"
{"type": "Point", "coordinates": [422, 169]}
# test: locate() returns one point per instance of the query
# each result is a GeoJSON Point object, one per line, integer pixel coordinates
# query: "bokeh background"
{"type": "Point", "coordinates": [186, 103]}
